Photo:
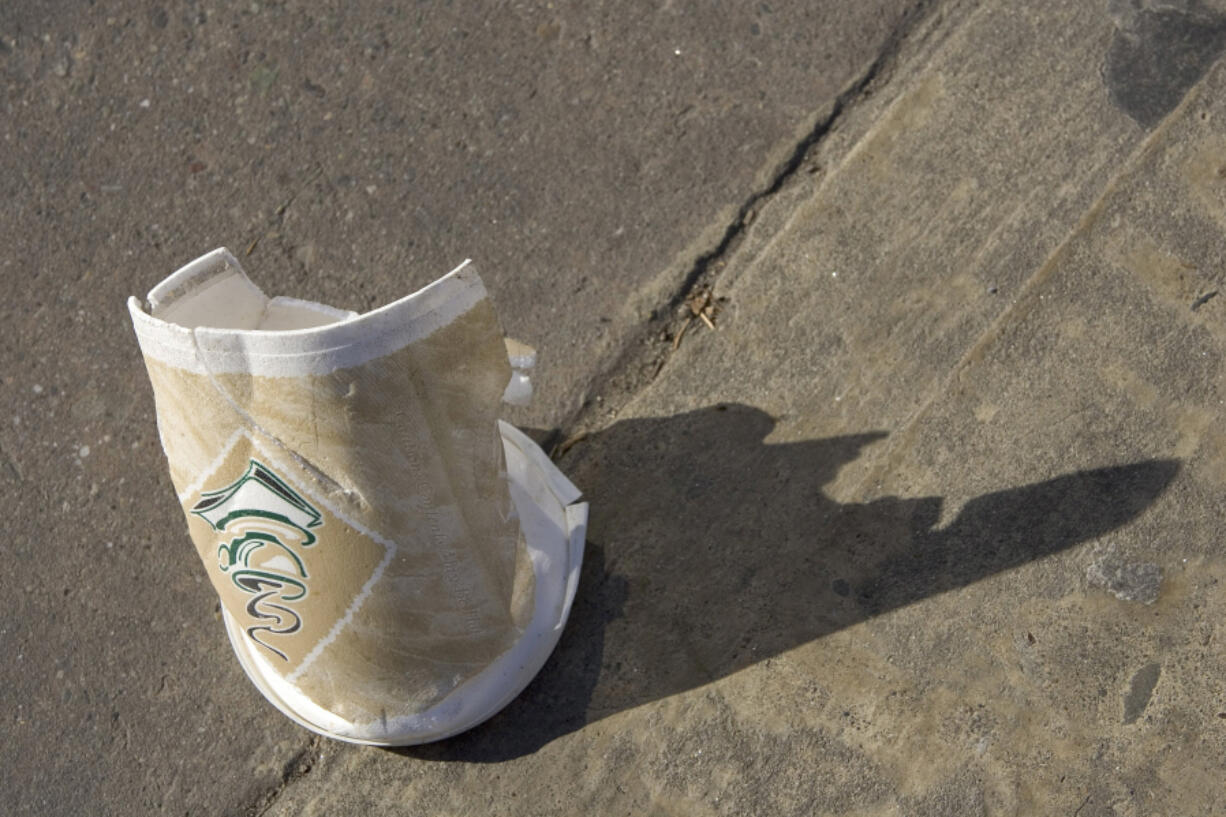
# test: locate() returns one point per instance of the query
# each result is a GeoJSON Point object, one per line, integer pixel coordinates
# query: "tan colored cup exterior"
{"type": "Point", "coordinates": [357, 524]}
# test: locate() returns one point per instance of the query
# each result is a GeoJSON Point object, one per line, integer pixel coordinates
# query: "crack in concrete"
{"type": "Point", "coordinates": [634, 369]}
{"type": "Point", "coordinates": [298, 766]}
{"type": "Point", "coordinates": [801, 153]}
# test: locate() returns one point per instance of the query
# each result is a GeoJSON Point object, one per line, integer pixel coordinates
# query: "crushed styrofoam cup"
{"type": "Point", "coordinates": [394, 563]}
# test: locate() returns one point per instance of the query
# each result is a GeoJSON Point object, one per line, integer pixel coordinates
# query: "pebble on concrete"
{"type": "Point", "coordinates": [1127, 581]}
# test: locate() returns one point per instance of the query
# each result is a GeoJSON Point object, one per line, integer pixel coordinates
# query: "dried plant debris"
{"type": "Point", "coordinates": [561, 448]}
{"type": "Point", "coordinates": [699, 305]}
{"type": "Point", "coordinates": [702, 304]}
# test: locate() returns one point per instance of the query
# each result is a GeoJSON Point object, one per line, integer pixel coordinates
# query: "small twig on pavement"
{"type": "Point", "coordinates": [567, 444]}
{"type": "Point", "coordinates": [681, 334]}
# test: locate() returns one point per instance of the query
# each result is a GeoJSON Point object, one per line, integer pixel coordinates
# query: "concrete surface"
{"type": "Point", "coordinates": [349, 153]}
{"type": "Point", "coordinates": [929, 525]}
{"type": "Point", "coordinates": [359, 150]}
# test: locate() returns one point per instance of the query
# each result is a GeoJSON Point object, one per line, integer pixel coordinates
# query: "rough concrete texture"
{"type": "Point", "coordinates": [352, 152]}
{"type": "Point", "coordinates": [348, 153]}
{"type": "Point", "coordinates": [929, 525]}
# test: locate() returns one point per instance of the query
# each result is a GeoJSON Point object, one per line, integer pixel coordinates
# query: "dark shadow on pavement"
{"type": "Point", "coordinates": [710, 550]}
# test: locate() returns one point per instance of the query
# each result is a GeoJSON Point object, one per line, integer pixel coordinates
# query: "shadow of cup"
{"type": "Point", "coordinates": [710, 550]}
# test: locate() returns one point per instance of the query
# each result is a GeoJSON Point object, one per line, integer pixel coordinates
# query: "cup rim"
{"type": "Point", "coordinates": [345, 343]}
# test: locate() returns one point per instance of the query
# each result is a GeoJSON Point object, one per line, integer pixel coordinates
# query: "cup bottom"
{"type": "Point", "coordinates": [554, 526]}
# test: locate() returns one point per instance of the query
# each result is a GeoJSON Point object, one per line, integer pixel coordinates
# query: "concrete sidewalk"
{"type": "Point", "coordinates": [927, 525]}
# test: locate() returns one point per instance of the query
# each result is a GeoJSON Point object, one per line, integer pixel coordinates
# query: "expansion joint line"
{"type": "Point", "coordinates": [700, 270]}
{"type": "Point", "coordinates": [853, 93]}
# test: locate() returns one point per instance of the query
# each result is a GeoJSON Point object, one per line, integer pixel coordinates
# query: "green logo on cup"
{"type": "Point", "coordinates": [268, 523]}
